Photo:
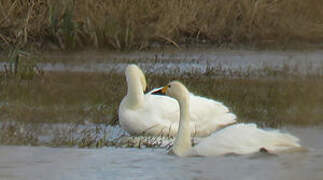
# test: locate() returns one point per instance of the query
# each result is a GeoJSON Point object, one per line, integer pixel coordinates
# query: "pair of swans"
{"type": "Point", "coordinates": [237, 139]}
{"type": "Point", "coordinates": [149, 114]}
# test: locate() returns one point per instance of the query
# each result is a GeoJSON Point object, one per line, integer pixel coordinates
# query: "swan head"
{"type": "Point", "coordinates": [174, 89]}
{"type": "Point", "coordinates": [133, 71]}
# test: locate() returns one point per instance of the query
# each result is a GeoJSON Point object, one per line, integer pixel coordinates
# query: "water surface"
{"type": "Point", "coordinates": [197, 60]}
{"type": "Point", "coordinates": [25, 162]}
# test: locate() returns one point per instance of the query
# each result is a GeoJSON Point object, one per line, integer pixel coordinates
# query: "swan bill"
{"type": "Point", "coordinates": [161, 91]}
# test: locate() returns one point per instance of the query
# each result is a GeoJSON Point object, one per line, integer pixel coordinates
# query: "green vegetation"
{"type": "Point", "coordinates": [62, 97]}
{"type": "Point", "coordinates": [276, 98]}
{"type": "Point", "coordinates": [131, 24]}
{"type": "Point", "coordinates": [74, 108]}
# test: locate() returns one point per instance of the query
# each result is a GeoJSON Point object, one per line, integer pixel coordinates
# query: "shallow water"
{"type": "Point", "coordinates": [187, 61]}
{"type": "Point", "coordinates": [24, 162]}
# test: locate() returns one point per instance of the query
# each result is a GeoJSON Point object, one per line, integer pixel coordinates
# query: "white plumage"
{"type": "Point", "coordinates": [149, 114]}
{"type": "Point", "coordinates": [238, 138]}
{"type": "Point", "coordinates": [245, 139]}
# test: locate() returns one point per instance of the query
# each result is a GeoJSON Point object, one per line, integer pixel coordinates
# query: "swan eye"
{"type": "Point", "coordinates": [168, 86]}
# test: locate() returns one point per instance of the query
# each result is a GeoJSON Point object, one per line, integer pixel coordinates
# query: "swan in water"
{"type": "Point", "coordinates": [149, 114]}
{"type": "Point", "coordinates": [235, 139]}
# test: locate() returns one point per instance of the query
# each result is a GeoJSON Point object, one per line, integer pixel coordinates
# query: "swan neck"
{"type": "Point", "coordinates": [135, 94]}
{"type": "Point", "coordinates": [183, 138]}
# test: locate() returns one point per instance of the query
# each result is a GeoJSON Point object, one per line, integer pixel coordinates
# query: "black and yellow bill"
{"type": "Point", "coordinates": [161, 91]}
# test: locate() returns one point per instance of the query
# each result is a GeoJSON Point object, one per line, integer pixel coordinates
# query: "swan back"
{"type": "Point", "coordinates": [245, 139]}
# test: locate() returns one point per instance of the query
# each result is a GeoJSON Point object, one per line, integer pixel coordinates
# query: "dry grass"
{"type": "Point", "coordinates": [58, 135]}
{"type": "Point", "coordinates": [126, 24]}
{"type": "Point", "coordinates": [75, 135]}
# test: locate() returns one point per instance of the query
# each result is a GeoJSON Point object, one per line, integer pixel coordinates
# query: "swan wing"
{"type": "Point", "coordinates": [208, 115]}
{"type": "Point", "coordinates": [244, 139]}
{"type": "Point", "coordinates": [158, 115]}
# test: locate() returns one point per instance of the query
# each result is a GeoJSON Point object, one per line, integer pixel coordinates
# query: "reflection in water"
{"type": "Point", "coordinates": [22, 162]}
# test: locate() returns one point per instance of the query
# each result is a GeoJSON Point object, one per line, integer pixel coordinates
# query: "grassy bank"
{"type": "Point", "coordinates": [75, 109]}
{"type": "Point", "coordinates": [129, 24]}
{"type": "Point", "coordinates": [276, 98]}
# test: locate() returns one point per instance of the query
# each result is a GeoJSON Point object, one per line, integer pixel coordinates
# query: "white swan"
{"type": "Point", "coordinates": [237, 139]}
{"type": "Point", "coordinates": [149, 114]}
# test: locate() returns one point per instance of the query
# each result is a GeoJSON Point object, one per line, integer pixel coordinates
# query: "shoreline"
{"type": "Point", "coordinates": [99, 55]}
{"type": "Point", "coordinates": [185, 60]}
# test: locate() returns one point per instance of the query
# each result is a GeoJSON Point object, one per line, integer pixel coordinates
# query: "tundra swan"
{"type": "Point", "coordinates": [149, 114]}
{"type": "Point", "coordinates": [237, 139]}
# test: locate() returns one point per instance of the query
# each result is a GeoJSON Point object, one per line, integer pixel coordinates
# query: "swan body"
{"type": "Point", "coordinates": [150, 114]}
{"type": "Point", "coordinates": [237, 139]}
{"type": "Point", "coordinates": [245, 139]}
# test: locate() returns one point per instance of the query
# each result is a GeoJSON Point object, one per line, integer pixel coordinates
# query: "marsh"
{"type": "Point", "coordinates": [72, 105]}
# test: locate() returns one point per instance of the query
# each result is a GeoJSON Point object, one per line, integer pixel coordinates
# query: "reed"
{"type": "Point", "coordinates": [128, 24]}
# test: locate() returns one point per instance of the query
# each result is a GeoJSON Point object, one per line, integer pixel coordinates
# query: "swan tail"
{"type": "Point", "coordinates": [283, 142]}
{"type": "Point", "coordinates": [289, 140]}
{"type": "Point", "coordinates": [227, 119]}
